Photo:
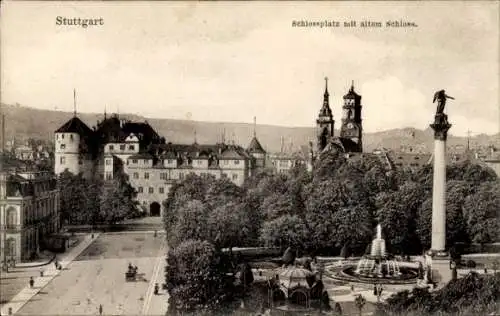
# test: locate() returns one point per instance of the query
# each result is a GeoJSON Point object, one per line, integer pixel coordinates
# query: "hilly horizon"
{"type": "Point", "coordinates": [23, 122]}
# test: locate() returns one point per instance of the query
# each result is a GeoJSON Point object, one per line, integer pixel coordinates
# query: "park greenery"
{"type": "Point", "coordinates": [93, 201]}
{"type": "Point", "coordinates": [332, 210]}
{"type": "Point", "coordinates": [474, 294]}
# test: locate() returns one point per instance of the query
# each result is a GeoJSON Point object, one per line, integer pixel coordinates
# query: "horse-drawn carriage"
{"type": "Point", "coordinates": [131, 273]}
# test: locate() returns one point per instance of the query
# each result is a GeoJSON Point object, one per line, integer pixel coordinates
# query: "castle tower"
{"type": "Point", "coordinates": [325, 122]}
{"type": "Point", "coordinates": [352, 127]}
{"type": "Point", "coordinates": [71, 149]}
{"type": "Point", "coordinates": [255, 148]}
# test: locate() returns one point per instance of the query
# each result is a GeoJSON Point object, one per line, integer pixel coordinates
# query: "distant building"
{"type": "Point", "coordinates": [29, 210]}
{"type": "Point", "coordinates": [493, 160]}
{"type": "Point", "coordinates": [151, 164]}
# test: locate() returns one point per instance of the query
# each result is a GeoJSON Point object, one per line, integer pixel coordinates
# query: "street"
{"type": "Point", "coordinates": [97, 276]}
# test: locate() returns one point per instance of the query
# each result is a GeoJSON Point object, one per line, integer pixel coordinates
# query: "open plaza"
{"type": "Point", "coordinates": [94, 278]}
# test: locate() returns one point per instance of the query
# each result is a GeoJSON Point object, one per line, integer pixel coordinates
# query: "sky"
{"type": "Point", "coordinates": [222, 61]}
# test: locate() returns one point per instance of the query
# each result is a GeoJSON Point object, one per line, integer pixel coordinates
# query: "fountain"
{"type": "Point", "coordinates": [377, 262]}
{"type": "Point", "coordinates": [378, 267]}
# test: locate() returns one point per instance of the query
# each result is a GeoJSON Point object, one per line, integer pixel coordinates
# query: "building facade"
{"type": "Point", "coordinates": [151, 164]}
{"type": "Point", "coordinates": [29, 212]}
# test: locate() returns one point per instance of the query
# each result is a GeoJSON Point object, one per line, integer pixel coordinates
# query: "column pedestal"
{"type": "Point", "coordinates": [440, 127]}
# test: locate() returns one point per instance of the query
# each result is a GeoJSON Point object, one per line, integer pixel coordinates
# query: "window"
{"type": "Point", "coordinates": [71, 137]}
{"type": "Point", "coordinates": [134, 160]}
{"type": "Point", "coordinates": [139, 189]}
{"type": "Point", "coordinates": [80, 161]}
{"type": "Point", "coordinates": [122, 147]}
{"type": "Point", "coordinates": [235, 176]}
{"type": "Point", "coordinates": [136, 175]}
{"type": "Point", "coordinates": [226, 162]}
{"type": "Point", "coordinates": [108, 162]}
{"type": "Point", "coordinates": [161, 190]}
{"type": "Point", "coordinates": [146, 175]}
{"type": "Point", "coordinates": [163, 176]}
{"type": "Point", "coordinates": [11, 218]}
{"type": "Point", "coordinates": [236, 162]}
{"type": "Point", "coordinates": [181, 175]}
{"type": "Point", "coordinates": [109, 175]}
{"type": "Point", "coordinates": [151, 190]}
{"type": "Point", "coordinates": [111, 147]}
{"type": "Point", "coordinates": [170, 161]}
{"type": "Point", "coordinates": [62, 160]}
{"type": "Point", "coordinates": [62, 136]}
{"type": "Point", "coordinates": [224, 175]}
{"type": "Point", "coordinates": [145, 161]}
{"type": "Point", "coordinates": [199, 162]}
{"type": "Point", "coordinates": [131, 147]}
{"type": "Point", "coordinates": [63, 146]}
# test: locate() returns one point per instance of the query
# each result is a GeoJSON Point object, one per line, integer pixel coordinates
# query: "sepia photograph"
{"type": "Point", "coordinates": [250, 158]}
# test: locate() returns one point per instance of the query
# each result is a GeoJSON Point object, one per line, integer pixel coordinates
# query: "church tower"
{"type": "Point", "coordinates": [352, 128]}
{"type": "Point", "coordinates": [325, 122]}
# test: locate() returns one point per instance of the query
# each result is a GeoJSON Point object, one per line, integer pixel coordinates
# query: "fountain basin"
{"type": "Point", "coordinates": [407, 275]}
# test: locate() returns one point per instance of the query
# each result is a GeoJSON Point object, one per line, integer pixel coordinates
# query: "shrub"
{"type": "Point", "coordinates": [470, 264]}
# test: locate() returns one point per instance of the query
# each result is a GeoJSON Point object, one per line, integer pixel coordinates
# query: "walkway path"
{"type": "Point", "coordinates": [157, 304]}
{"type": "Point", "coordinates": [49, 274]}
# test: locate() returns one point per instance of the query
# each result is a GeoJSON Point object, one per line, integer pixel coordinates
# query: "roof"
{"type": "Point", "coordinates": [292, 277]}
{"type": "Point", "coordinates": [409, 159]}
{"type": "Point", "coordinates": [141, 156]}
{"type": "Point", "coordinates": [75, 125]}
{"type": "Point", "coordinates": [231, 153]}
{"type": "Point", "coordinates": [352, 94]}
{"type": "Point", "coordinates": [255, 146]}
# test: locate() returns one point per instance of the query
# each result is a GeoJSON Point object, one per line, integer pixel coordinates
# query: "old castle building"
{"type": "Point", "coordinates": [151, 164]}
{"type": "Point", "coordinates": [29, 210]}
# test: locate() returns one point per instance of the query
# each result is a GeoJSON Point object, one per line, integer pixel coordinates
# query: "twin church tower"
{"type": "Point", "coordinates": [351, 131]}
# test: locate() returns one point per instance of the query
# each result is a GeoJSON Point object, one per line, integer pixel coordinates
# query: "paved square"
{"type": "Point", "coordinates": [97, 276]}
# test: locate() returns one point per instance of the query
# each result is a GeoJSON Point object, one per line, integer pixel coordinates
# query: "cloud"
{"type": "Point", "coordinates": [387, 103]}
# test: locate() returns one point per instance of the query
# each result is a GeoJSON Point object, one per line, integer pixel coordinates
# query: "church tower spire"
{"type": "Point", "coordinates": [352, 127]}
{"type": "Point", "coordinates": [325, 122]}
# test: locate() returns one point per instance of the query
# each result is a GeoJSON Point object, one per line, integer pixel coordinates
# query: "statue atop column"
{"type": "Point", "coordinates": [441, 124]}
{"type": "Point", "coordinates": [440, 96]}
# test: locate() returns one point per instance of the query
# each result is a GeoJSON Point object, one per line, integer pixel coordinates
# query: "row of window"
{"type": "Point", "coordinates": [62, 136]}
{"type": "Point", "coordinates": [122, 147]}
{"type": "Point", "coordinates": [165, 175]}
{"type": "Point", "coordinates": [151, 190]}
{"type": "Point", "coordinates": [62, 160]}
{"type": "Point", "coordinates": [198, 162]}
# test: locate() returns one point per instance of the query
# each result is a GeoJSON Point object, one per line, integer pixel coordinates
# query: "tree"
{"type": "Point", "coordinates": [230, 224]}
{"type": "Point", "coordinates": [191, 223]}
{"type": "Point", "coordinates": [396, 215]}
{"type": "Point", "coordinates": [192, 188]}
{"type": "Point", "coordinates": [221, 192]}
{"type": "Point", "coordinates": [194, 277]}
{"type": "Point", "coordinates": [285, 231]}
{"type": "Point", "coordinates": [481, 213]}
{"type": "Point", "coordinates": [117, 201]}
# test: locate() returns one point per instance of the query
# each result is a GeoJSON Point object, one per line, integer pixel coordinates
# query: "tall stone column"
{"type": "Point", "coordinates": [440, 127]}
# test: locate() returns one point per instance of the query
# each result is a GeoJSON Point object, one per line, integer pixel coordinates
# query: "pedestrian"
{"type": "Point", "coordinates": [157, 288]}
{"type": "Point", "coordinates": [41, 272]}
{"type": "Point", "coordinates": [155, 233]}
{"type": "Point", "coordinates": [32, 282]}
{"type": "Point", "coordinates": [100, 309]}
